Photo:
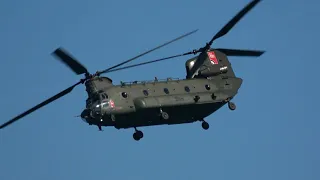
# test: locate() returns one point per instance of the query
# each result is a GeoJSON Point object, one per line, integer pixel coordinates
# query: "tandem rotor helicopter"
{"type": "Point", "coordinates": [210, 83]}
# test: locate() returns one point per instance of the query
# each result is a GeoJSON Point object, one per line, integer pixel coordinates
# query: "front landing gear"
{"type": "Point", "coordinates": [205, 125]}
{"type": "Point", "coordinates": [137, 135]}
{"type": "Point", "coordinates": [232, 106]}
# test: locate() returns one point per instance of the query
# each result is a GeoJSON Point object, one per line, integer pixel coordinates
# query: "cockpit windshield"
{"type": "Point", "coordinates": [99, 98]}
{"type": "Point", "coordinates": [105, 104]}
{"type": "Point", "coordinates": [103, 96]}
{"type": "Point", "coordinates": [99, 104]}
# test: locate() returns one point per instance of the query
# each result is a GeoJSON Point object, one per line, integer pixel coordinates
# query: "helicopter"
{"type": "Point", "coordinates": [210, 84]}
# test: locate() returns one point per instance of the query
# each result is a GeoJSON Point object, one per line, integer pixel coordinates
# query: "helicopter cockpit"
{"type": "Point", "coordinates": [100, 101]}
{"type": "Point", "coordinates": [96, 106]}
{"type": "Point", "coordinates": [96, 98]}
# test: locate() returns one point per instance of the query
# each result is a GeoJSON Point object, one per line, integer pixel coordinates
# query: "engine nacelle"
{"type": "Point", "coordinates": [215, 64]}
{"type": "Point", "coordinates": [207, 72]}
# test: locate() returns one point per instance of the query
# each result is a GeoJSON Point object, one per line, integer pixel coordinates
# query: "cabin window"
{"type": "Point", "coordinates": [145, 92]}
{"type": "Point", "coordinates": [187, 89]}
{"type": "Point", "coordinates": [207, 87]}
{"type": "Point", "coordinates": [124, 94]}
{"type": "Point", "coordinates": [166, 90]}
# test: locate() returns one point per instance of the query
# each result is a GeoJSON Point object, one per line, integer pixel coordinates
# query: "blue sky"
{"type": "Point", "coordinates": [273, 134]}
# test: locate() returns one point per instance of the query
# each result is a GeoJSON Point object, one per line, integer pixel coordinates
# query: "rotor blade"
{"type": "Point", "coordinates": [70, 61]}
{"type": "Point", "coordinates": [59, 95]}
{"type": "Point", "coordinates": [187, 34]}
{"type": "Point", "coordinates": [234, 20]}
{"type": "Point", "coordinates": [240, 52]}
{"type": "Point", "coordinates": [148, 62]}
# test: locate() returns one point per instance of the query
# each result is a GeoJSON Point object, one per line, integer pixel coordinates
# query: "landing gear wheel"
{"type": "Point", "coordinates": [138, 135]}
{"type": "Point", "coordinates": [164, 115]}
{"type": "Point", "coordinates": [205, 125]}
{"type": "Point", "coordinates": [231, 106]}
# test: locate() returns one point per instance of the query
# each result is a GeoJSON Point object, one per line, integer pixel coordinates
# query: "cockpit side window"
{"type": "Point", "coordinates": [104, 96]}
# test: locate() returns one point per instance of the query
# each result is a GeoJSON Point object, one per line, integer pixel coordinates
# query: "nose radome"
{"type": "Point", "coordinates": [85, 114]}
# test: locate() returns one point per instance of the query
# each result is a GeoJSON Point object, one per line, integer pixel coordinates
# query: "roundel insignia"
{"type": "Point", "coordinates": [111, 104]}
{"type": "Point", "coordinates": [212, 57]}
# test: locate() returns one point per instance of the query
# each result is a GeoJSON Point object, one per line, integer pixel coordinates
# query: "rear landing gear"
{"type": "Point", "coordinates": [137, 135]}
{"type": "Point", "coordinates": [205, 125]}
{"type": "Point", "coordinates": [164, 115]}
{"type": "Point", "coordinates": [232, 106]}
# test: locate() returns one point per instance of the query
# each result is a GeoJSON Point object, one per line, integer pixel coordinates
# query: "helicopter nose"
{"type": "Point", "coordinates": [85, 115]}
